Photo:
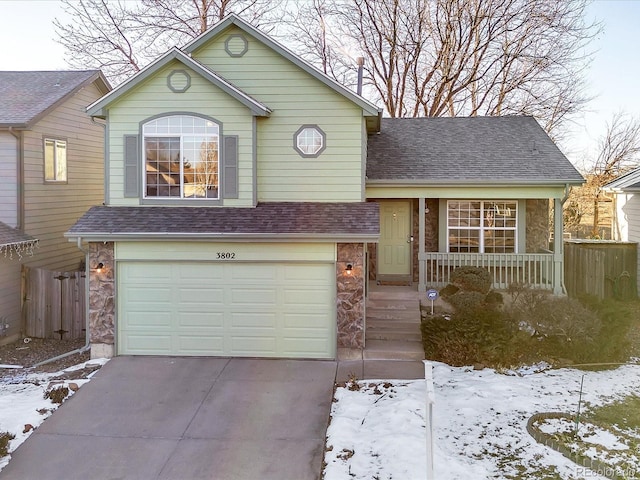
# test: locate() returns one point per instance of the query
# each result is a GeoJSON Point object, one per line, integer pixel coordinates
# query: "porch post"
{"type": "Point", "coordinates": [558, 246]}
{"type": "Point", "coordinates": [422, 275]}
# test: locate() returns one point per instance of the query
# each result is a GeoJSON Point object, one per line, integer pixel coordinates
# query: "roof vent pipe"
{"type": "Point", "coordinates": [360, 61]}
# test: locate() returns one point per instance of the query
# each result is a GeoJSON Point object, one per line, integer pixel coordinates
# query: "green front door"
{"type": "Point", "coordinates": [394, 249]}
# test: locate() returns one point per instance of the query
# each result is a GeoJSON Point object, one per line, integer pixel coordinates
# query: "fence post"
{"type": "Point", "coordinates": [430, 400]}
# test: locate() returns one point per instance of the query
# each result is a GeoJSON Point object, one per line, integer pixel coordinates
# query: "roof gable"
{"type": "Point", "coordinates": [26, 97]}
{"type": "Point", "coordinates": [509, 150]}
{"type": "Point", "coordinates": [628, 182]}
{"type": "Point", "coordinates": [232, 19]}
{"type": "Point", "coordinates": [98, 108]}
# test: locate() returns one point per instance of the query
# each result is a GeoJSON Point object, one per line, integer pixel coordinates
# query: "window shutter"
{"type": "Point", "coordinates": [131, 166]}
{"type": "Point", "coordinates": [230, 165]}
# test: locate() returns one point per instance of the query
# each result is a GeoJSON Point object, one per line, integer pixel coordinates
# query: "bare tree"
{"type": "Point", "coordinates": [619, 152]}
{"type": "Point", "coordinates": [464, 57]}
{"type": "Point", "coordinates": [121, 37]}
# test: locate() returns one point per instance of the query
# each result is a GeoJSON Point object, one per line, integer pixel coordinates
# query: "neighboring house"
{"type": "Point", "coordinates": [51, 165]}
{"type": "Point", "coordinates": [626, 211]}
{"type": "Point", "coordinates": [247, 193]}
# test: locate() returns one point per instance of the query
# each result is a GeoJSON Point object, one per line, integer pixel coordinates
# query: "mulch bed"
{"type": "Point", "coordinates": [38, 350]}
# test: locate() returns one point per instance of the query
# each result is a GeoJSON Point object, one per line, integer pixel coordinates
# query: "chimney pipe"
{"type": "Point", "coordinates": [360, 61]}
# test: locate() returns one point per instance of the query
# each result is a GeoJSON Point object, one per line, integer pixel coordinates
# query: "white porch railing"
{"type": "Point", "coordinates": [533, 269]}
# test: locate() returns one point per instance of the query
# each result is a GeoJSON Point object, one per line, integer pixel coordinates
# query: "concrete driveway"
{"type": "Point", "coordinates": [186, 418]}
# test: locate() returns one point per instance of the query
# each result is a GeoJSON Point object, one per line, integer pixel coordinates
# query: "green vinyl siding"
{"type": "Point", "coordinates": [296, 98]}
{"type": "Point", "coordinates": [152, 98]}
{"type": "Point", "coordinates": [253, 252]}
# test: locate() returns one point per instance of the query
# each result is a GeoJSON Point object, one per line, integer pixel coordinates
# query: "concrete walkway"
{"type": "Point", "coordinates": [186, 418]}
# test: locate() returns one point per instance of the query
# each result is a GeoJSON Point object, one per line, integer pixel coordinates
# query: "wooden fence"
{"type": "Point", "coordinates": [54, 304]}
{"type": "Point", "coordinates": [605, 269]}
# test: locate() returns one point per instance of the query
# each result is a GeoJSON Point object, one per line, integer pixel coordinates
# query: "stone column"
{"type": "Point", "coordinates": [350, 295]}
{"type": "Point", "coordinates": [101, 300]}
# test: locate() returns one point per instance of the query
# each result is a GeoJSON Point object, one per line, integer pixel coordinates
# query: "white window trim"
{"type": "Point", "coordinates": [182, 136]}
{"type": "Point", "coordinates": [481, 228]}
{"type": "Point", "coordinates": [56, 143]}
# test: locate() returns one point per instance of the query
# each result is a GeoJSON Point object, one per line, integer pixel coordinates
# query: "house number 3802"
{"type": "Point", "coordinates": [225, 255]}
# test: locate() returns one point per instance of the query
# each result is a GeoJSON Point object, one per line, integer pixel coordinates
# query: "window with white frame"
{"type": "Point", "coordinates": [181, 155]}
{"type": "Point", "coordinates": [55, 160]}
{"type": "Point", "coordinates": [482, 226]}
{"type": "Point", "coordinates": [309, 141]}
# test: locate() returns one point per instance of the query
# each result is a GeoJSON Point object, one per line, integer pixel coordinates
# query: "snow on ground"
{"type": "Point", "coordinates": [480, 417]}
{"type": "Point", "coordinates": [22, 402]}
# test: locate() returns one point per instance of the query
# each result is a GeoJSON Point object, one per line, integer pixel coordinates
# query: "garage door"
{"type": "Point", "coordinates": [228, 309]}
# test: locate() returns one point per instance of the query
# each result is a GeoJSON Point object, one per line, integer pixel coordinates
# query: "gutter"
{"type": "Point", "coordinates": [471, 183]}
{"type": "Point", "coordinates": [20, 178]}
{"type": "Point", "coordinates": [87, 345]}
{"type": "Point", "coordinates": [247, 237]}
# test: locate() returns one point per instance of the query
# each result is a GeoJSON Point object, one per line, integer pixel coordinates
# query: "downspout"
{"type": "Point", "coordinates": [105, 162]}
{"type": "Point", "coordinates": [87, 344]}
{"type": "Point", "coordinates": [567, 191]}
{"type": "Point", "coordinates": [20, 179]}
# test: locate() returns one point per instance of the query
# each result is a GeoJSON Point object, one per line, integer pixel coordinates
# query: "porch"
{"type": "Point", "coordinates": [423, 240]}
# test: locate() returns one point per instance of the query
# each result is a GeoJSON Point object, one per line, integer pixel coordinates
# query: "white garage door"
{"type": "Point", "coordinates": [227, 309]}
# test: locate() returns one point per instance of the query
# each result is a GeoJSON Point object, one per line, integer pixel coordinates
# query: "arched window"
{"type": "Point", "coordinates": [181, 155]}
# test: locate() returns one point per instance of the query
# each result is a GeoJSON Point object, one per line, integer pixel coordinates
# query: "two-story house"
{"type": "Point", "coordinates": [246, 191]}
{"type": "Point", "coordinates": [51, 166]}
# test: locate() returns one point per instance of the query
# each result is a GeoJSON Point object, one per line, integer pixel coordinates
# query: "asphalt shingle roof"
{"type": "Point", "coordinates": [466, 150]}
{"type": "Point", "coordinates": [286, 218]}
{"type": "Point", "coordinates": [11, 236]}
{"type": "Point", "coordinates": [24, 96]}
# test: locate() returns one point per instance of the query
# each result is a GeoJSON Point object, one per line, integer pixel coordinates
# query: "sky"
{"type": "Point", "coordinates": [28, 38]}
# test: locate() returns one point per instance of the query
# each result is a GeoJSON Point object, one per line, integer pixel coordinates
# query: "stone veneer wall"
{"type": "Point", "coordinates": [430, 230]}
{"type": "Point", "coordinates": [101, 300]}
{"type": "Point", "coordinates": [537, 225]}
{"type": "Point", "coordinates": [350, 295]}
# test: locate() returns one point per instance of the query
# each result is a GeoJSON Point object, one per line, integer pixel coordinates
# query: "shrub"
{"type": "Point", "coordinates": [57, 395]}
{"type": "Point", "coordinates": [562, 326]}
{"type": "Point", "coordinates": [449, 290]}
{"type": "Point", "coordinates": [5, 438]}
{"type": "Point", "coordinates": [474, 336]}
{"type": "Point", "coordinates": [473, 279]}
{"type": "Point", "coordinates": [464, 301]}
{"type": "Point", "coordinates": [494, 298]}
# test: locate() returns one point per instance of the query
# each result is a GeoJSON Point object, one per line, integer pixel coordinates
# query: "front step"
{"type": "Point", "coordinates": [393, 350]}
{"type": "Point", "coordinates": [404, 335]}
{"type": "Point", "coordinates": [393, 325]}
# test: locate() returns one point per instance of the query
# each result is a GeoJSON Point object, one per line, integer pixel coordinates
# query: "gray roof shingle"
{"type": "Point", "coordinates": [326, 220]}
{"type": "Point", "coordinates": [25, 96]}
{"type": "Point", "coordinates": [11, 236]}
{"type": "Point", "coordinates": [467, 150]}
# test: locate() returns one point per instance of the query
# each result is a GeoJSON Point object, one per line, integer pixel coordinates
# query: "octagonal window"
{"type": "Point", "coordinates": [309, 141]}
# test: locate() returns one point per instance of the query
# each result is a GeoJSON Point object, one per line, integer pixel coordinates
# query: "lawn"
{"type": "Point", "coordinates": [378, 431]}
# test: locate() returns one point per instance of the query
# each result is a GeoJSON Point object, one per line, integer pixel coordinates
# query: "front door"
{"type": "Point", "coordinates": [394, 249]}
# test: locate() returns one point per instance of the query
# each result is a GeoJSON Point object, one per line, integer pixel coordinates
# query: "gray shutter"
{"type": "Point", "coordinates": [230, 165]}
{"type": "Point", "coordinates": [131, 166]}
